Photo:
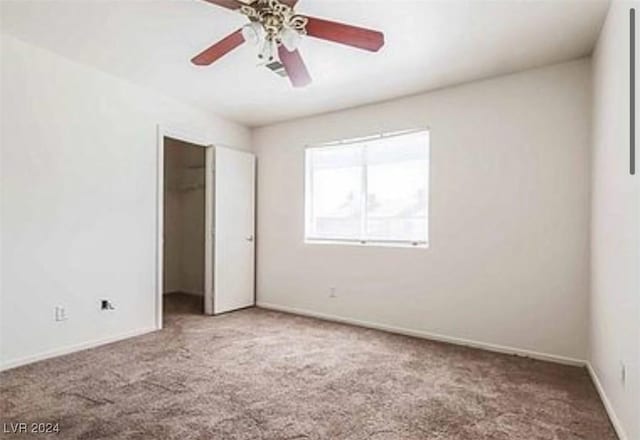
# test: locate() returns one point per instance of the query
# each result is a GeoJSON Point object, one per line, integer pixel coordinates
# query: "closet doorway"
{"type": "Point", "coordinates": [206, 227]}
{"type": "Point", "coordinates": [183, 274]}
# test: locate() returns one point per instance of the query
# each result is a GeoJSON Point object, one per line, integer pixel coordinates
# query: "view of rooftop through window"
{"type": "Point", "coordinates": [369, 190]}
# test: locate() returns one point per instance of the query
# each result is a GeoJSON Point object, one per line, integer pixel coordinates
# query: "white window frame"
{"type": "Point", "coordinates": [308, 188]}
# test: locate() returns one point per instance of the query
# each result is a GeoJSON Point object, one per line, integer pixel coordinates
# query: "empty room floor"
{"type": "Point", "coordinates": [257, 374]}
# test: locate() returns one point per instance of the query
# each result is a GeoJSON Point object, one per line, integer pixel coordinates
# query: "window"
{"type": "Point", "coordinates": [372, 190]}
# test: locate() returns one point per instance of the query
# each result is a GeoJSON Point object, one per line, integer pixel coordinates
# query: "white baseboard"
{"type": "Point", "coordinates": [72, 348]}
{"type": "Point", "coordinates": [428, 335]}
{"type": "Point", "coordinates": [615, 421]}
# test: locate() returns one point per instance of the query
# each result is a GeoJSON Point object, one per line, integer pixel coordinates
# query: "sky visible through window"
{"type": "Point", "coordinates": [373, 190]}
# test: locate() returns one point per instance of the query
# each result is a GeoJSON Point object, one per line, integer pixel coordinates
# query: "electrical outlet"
{"type": "Point", "coordinates": [623, 373]}
{"type": "Point", "coordinates": [60, 313]}
{"type": "Point", "coordinates": [105, 304]}
{"type": "Point", "coordinates": [332, 292]}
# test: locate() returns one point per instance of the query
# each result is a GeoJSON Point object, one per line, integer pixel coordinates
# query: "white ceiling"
{"type": "Point", "coordinates": [429, 44]}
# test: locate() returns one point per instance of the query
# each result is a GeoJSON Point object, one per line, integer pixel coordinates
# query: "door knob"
{"type": "Point", "coordinates": [249, 237]}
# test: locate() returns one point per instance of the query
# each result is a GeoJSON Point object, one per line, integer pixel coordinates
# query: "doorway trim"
{"type": "Point", "coordinates": [199, 140]}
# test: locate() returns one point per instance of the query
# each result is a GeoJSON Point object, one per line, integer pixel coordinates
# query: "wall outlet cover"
{"type": "Point", "coordinates": [105, 304]}
{"type": "Point", "coordinates": [60, 313]}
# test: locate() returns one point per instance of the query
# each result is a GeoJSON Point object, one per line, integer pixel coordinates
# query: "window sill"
{"type": "Point", "coordinates": [383, 244]}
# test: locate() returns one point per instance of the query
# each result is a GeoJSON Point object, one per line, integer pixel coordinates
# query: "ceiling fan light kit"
{"type": "Point", "coordinates": [253, 33]}
{"type": "Point", "coordinates": [276, 30]}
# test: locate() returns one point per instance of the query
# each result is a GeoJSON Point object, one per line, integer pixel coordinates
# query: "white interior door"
{"type": "Point", "coordinates": [234, 229]}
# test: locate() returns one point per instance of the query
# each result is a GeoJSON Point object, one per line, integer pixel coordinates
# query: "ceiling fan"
{"type": "Point", "coordinates": [276, 30]}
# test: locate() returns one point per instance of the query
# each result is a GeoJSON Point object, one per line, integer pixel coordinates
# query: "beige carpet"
{"type": "Point", "coordinates": [256, 374]}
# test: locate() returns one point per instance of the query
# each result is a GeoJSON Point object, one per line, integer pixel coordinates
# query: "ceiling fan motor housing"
{"type": "Point", "coordinates": [276, 18]}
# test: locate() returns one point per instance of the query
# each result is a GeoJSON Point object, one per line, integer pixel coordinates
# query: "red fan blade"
{"type": "Point", "coordinates": [229, 4]}
{"type": "Point", "coordinates": [361, 38]}
{"type": "Point", "coordinates": [218, 50]}
{"type": "Point", "coordinates": [294, 66]}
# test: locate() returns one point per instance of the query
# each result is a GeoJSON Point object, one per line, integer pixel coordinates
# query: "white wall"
{"type": "Point", "coordinates": [509, 223]}
{"type": "Point", "coordinates": [78, 196]}
{"type": "Point", "coordinates": [615, 232]}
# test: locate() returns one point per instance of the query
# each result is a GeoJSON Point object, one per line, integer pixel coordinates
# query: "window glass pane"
{"type": "Point", "coordinates": [335, 184]}
{"type": "Point", "coordinates": [371, 189]}
{"type": "Point", "coordinates": [397, 178]}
